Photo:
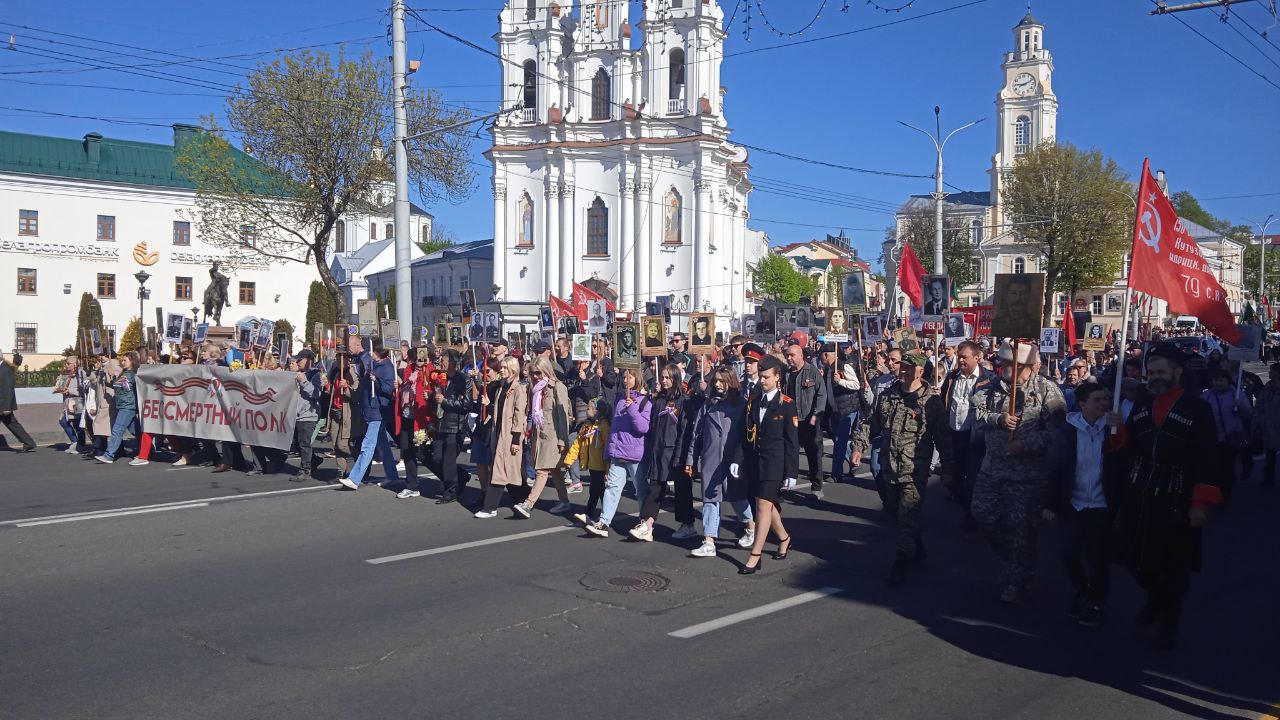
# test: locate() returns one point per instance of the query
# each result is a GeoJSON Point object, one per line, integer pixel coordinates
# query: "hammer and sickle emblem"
{"type": "Point", "coordinates": [143, 257]}
{"type": "Point", "coordinates": [1149, 232]}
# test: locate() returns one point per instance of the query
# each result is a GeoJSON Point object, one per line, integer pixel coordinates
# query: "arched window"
{"type": "Point", "coordinates": [373, 231]}
{"type": "Point", "coordinates": [530, 96]}
{"type": "Point", "coordinates": [530, 9]}
{"type": "Point", "coordinates": [600, 99]}
{"type": "Point", "coordinates": [676, 68]}
{"type": "Point", "coordinates": [390, 231]}
{"type": "Point", "coordinates": [424, 232]}
{"type": "Point", "coordinates": [597, 228]}
{"type": "Point", "coordinates": [1021, 135]}
{"type": "Point", "coordinates": [525, 207]}
{"type": "Point", "coordinates": [975, 231]}
{"type": "Point", "coordinates": [340, 237]}
{"type": "Point", "coordinates": [1019, 265]}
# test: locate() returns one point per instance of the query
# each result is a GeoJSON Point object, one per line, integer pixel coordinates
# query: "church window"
{"type": "Point", "coordinates": [975, 231]}
{"type": "Point", "coordinates": [530, 95]}
{"type": "Point", "coordinates": [389, 231]}
{"type": "Point", "coordinates": [600, 100]}
{"type": "Point", "coordinates": [525, 206]}
{"type": "Point", "coordinates": [373, 231]}
{"type": "Point", "coordinates": [1021, 135]}
{"type": "Point", "coordinates": [676, 68]}
{"type": "Point", "coordinates": [340, 237]}
{"type": "Point", "coordinates": [1019, 265]}
{"type": "Point", "coordinates": [672, 218]}
{"type": "Point", "coordinates": [530, 9]}
{"type": "Point", "coordinates": [598, 228]}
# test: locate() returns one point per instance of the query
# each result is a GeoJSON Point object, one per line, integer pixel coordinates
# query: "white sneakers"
{"type": "Point", "coordinates": [348, 483]}
{"type": "Point", "coordinates": [103, 459]}
{"type": "Point", "coordinates": [598, 528]}
{"type": "Point", "coordinates": [71, 450]}
{"type": "Point", "coordinates": [747, 540]}
{"type": "Point", "coordinates": [180, 462]}
{"type": "Point", "coordinates": [406, 493]}
{"type": "Point", "coordinates": [642, 532]}
{"type": "Point", "coordinates": [486, 514]}
{"type": "Point", "coordinates": [706, 549]}
{"type": "Point", "coordinates": [138, 462]}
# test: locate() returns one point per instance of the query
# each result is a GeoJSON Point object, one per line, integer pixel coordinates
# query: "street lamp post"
{"type": "Point", "coordinates": [939, 143]}
{"type": "Point", "coordinates": [143, 293]}
{"type": "Point", "coordinates": [1262, 252]}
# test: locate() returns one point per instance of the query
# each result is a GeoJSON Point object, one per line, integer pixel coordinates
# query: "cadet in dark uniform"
{"type": "Point", "coordinates": [771, 455]}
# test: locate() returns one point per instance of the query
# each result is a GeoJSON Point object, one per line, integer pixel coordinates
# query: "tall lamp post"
{"type": "Point", "coordinates": [1262, 252]}
{"type": "Point", "coordinates": [939, 143]}
{"type": "Point", "coordinates": [143, 293]}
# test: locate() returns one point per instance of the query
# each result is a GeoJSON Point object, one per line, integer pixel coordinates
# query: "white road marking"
{"type": "Point", "coordinates": [712, 625]}
{"type": "Point", "coordinates": [468, 545]}
{"type": "Point", "coordinates": [196, 502]}
{"type": "Point", "coordinates": [111, 514]}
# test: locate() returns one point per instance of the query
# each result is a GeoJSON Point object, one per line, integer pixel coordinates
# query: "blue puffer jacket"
{"type": "Point", "coordinates": [630, 425]}
{"type": "Point", "coordinates": [377, 389]}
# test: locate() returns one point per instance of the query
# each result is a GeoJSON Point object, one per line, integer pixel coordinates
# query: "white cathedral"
{"type": "Point", "coordinates": [613, 166]}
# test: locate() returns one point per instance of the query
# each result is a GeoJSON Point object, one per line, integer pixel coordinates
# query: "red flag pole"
{"type": "Point", "coordinates": [1128, 297]}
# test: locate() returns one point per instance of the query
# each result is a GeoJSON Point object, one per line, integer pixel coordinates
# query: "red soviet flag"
{"type": "Point", "coordinates": [1069, 330]}
{"type": "Point", "coordinates": [560, 309]}
{"type": "Point", "coordinates": [910, 274]}
{"type": "Point", "coordinates": [1167, 263]}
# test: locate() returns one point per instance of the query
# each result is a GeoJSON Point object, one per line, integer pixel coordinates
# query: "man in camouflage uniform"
{"type": "Point", "coordinates": [1013, 481]}
{"type": "Point", "coordinates": [905, 417]}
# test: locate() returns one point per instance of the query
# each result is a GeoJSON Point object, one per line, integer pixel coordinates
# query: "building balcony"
{"type": "Point", "coordinates": [675, 106]}
{"type": "Point", "coordinates": [529, 116]}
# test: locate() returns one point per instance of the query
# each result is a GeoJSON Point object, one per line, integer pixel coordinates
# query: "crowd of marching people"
{"type": "Point", "coordinates": [1018, 439]}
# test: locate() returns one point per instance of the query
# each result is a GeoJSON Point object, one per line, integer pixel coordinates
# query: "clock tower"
{"type": "Point", "coordinates": [1026, 107]}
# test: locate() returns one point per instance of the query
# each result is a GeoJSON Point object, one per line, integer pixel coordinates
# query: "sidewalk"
{"type": "Point", "coordinates": [40, 420]}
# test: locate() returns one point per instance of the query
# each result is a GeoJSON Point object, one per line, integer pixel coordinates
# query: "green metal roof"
{"type": "Point", "coordinates": [119, 161]}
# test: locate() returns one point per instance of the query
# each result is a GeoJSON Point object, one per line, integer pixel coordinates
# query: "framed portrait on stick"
{"type": "Point", "coordinates": [1018, 297]}
{"type": "Point", "coordinates": [1095, 338]}
{"type": "Point", "coordinates": [937, 301]}
{"type": "Point", "coordinates": [702, 333]}
{"type": "Point", "coordinates": [654, 334]}
{"type": "Point", "coordinates": [626, 344]}
{"type": "Point", "coordinates": [836, 325]}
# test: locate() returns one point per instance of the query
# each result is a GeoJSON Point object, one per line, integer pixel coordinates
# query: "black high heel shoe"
{"type": "Point", "coordinates": [782, 554]}
{"type": "Point", "coordinates": [744, 570]}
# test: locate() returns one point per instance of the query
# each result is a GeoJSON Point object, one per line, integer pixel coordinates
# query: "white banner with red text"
{"type": "Point", "coordinates": [252, 407]}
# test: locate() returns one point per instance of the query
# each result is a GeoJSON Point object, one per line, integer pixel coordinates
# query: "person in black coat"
{"type": "Point", "coordinates": [662, 444]}
{"type": "Point", "coordinates": [9, 402]}
{"type": "Point", "coordinates": [771, 456]}
{"type": "Point", "coordinates": [454, 403]}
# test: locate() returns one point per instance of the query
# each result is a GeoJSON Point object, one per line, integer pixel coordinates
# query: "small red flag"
{"type": "Point", "coordinates": [581, 294]}
{"type": "Point", "coordinates": [1167, 263]}
{"type": "Point", "coordinates": [910, 276]}
{"type": "Point", "coordinates": [559, 309]}
{"type": "Point", "coordinates": [1069, 329]}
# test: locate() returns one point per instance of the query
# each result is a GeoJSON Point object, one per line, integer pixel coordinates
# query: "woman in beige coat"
{"type": "Point", "coordinates": [510, 417]}
{"type": "Point", "coordinates": [97, 410]}
{"type": "Point", "coordinates": [549, 415]}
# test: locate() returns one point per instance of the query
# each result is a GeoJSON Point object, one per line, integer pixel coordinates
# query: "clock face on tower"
{"type": "Point", "coordinates": [1023, 84]}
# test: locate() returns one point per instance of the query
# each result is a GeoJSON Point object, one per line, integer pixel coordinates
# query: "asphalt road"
{"type": "Point", "coordinates": [159, 593]}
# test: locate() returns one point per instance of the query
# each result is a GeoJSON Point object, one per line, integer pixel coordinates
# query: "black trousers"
{"type": "Point", "coordinates": [658, 491]}
{"type": "Point", "coordinates": [409, 455]}
{"type": "Point", "coordinates": [967, 456]}
{"type": "Point", "coordinates": [595, 491]}
{"type": "Point", "coordinates": [1227, 454]}
{"type": "Point", "coordinates": [810, 443]}
{"type": "Point", "coordinates": [444, 463]}
{"type": "Point", "coordinates": [1085, 553]}
{"type": "Point", "coordinates": [10, 421]}
{"type": "Point", "coordinates": [1269, 469]}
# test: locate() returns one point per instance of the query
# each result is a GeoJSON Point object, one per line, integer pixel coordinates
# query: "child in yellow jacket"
{"type": "Point", "coordinates": [589, 451]}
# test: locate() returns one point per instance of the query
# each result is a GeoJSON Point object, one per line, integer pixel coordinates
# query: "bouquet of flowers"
{"type": "Point", "coordinates": [236, 365]}
{"type": "Point", "coordinates": [420, 438]}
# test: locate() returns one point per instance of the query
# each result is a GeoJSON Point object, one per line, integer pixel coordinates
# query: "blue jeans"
{"type": "Point", "coordinates": [620, 472]}
{"type": "Point", "coordinates": [375, 440]}
{"type": "Point", "coordinates": [124, 420]}
{"type": "Point", "coordinates": [711, 515]}
{"type": "Point", "coordinates": [71, 430]}
{"type": "Point", "coordinates": [841, 427]}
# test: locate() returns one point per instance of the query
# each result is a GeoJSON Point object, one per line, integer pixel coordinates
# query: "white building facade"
{"type": "Point", "coordinates": [86, 215]}
{"type": "Point", "coordinates": [437, 279]}
{"type": "Point", "coordinates": [615, 164]}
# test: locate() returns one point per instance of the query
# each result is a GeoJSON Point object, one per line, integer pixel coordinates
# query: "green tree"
{"type": "Point", "coordinates": [132, 338]}
{"type": "Point", "coordinates": [286, 327]}
{"type": "Point", "coordinates": [1070, 207]}
{"type": "Point", "coordinates": [90, 316]}
{"type": "Point", "coordinates": [441, 237]}
{"type": "Point", "coordinates": [320, 309]}
{"type": "Point", "coordinates": [959, 253]}
{"type": "Point", "coordinates": [315, 126]}
{"type": "Point", "coordinates": [775, 278]}
{"type": "Point", "coordinates": [391, 302]}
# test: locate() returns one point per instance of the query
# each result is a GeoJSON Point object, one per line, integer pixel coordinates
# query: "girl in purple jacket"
{"type": "Point", "coordinates": [626, 449]}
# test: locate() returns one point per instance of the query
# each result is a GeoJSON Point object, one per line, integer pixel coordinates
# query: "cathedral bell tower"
{"type": "Point", "coordinates": [1026, 108]}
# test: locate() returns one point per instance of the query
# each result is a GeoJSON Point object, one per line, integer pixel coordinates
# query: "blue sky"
{"type": "Point", "coordinates": [1129, 84]}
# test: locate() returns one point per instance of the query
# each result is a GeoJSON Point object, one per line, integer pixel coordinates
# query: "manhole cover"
{"type": "Point", "coordinates": [628, 582]}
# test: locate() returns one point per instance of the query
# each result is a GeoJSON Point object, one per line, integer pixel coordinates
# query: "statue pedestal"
{"type": "Point", "coordinates": [220, 333]}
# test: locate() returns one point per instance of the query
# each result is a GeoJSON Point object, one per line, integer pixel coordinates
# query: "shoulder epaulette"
{"type": "Point", "coordinates": [786, 399]}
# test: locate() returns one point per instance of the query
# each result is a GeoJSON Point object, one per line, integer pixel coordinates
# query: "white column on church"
{"type": "Point", "coordinates": [551, 245]}
{"type": "Point", "coordinates": [701, 242]}
{"type": "Point", "coordinates": [569, 249]}
{"type": "Point", "coordinates": [626, 246]}
{"type": "Point", "coordinates": [643, 239]}
{"type": "Point", "coordinates": [500, 239]}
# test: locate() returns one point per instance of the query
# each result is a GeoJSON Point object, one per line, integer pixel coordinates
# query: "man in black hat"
{"type": "Point", "coordinates": [1170, 441]}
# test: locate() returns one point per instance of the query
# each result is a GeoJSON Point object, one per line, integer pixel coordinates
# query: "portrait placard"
{"type": "Point", "coordinates": [937, 301]}
{"type": "Point", "coordinates": [1017, 305]}
{"type": "Point", "coordinates": [702, 333]}
{"type": "Point", "coordinates": [468, 298]}
{"type": "Point", "coordinates": [872, 329]}
{"type": "Point", "coordinates": [954, 330]}
{"type": "Point", "coordinates": [654, 333]}
{"type": "Point", "coordinates": [173, 328]}
{"type": "Point", "coordinates": [597, 316]}
{"type": "Point", "coordinates": [1095, 337]}
{"type": "Point", "coordinates": [854, 290]}
{"type": "Point", "coordinates": [546, 319]}
{"type": "Point", "coordinates": [580, 347]}
{"type": "Point", "coordinates": [1049, 340]}
{"type": "Point", "coordinates": [442, 334]}
{"type": "Point", "coordinates": [626, 346]}
{"type": "Point", "coordinates": [836, 326]}
{"type": "Point", "coordinates": [391, 331]}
